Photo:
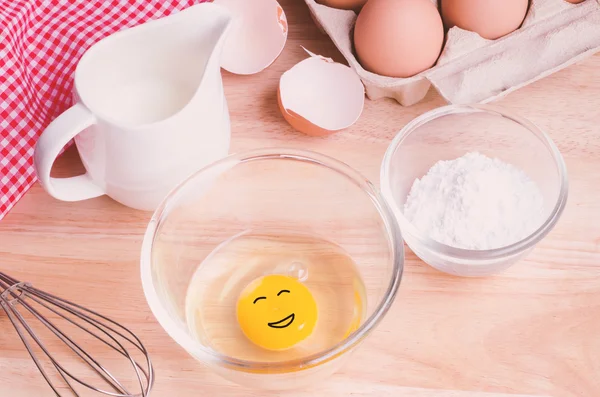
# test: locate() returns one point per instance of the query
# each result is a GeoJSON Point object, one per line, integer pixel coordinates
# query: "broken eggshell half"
{"type": "Point", "coordinates": [320, 97]}
{"type": "Point", "coordinates": [256, 37]}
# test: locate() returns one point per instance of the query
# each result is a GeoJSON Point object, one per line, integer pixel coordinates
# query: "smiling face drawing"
{"type": "Point", "coordinates": [276, 312]}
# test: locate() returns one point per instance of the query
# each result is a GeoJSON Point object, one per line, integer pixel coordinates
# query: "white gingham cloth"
{"type": "Point", "coordinates": [41, 42]}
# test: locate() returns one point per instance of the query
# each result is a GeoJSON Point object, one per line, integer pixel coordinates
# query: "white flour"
{"type": "Point", "coordinates": [475, 202]}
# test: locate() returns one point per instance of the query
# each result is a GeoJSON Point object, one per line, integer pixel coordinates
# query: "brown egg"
{"type": "Point", "coordinates": [491, 19]}
{"type": "Point", "coordinates": [398, 38]}
{"type": "Point", "coordinates": [343, 4]}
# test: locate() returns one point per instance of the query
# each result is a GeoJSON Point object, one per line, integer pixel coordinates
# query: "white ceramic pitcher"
{"type": "Point", "coordinates": [149, 111]}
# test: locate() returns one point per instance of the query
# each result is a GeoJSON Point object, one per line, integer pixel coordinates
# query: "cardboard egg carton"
{"type": "Point", "coordinates": [471, 69]}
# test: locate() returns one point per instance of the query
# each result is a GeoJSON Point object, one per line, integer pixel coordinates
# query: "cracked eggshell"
{"type": "Point", "coordinates": [320, 97]}
{"type": "Point", "coordinates": [257, 35]}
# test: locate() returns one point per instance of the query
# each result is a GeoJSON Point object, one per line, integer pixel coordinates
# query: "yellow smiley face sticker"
{"type": "Point", "coordinates": [276, 312]}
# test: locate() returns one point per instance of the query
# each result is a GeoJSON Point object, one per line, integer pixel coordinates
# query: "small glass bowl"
{"type": "Point", "coordinates": [450, 132]}
{"type": "Point", "coordinates": [284, 191]}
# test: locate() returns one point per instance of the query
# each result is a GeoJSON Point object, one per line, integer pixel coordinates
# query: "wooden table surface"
{"type": "Point", "coordinates": [533, 330]}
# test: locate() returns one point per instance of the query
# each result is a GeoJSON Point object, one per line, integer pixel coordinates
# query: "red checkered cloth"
{"type": "Point", "coordinates": [41, 42]}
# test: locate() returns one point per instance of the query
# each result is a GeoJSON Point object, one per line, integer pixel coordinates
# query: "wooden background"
{"type": "Point", "coordinates": [533, 330]}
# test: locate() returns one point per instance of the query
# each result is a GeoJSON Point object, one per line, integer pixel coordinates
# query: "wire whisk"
{"type": "Point", "coordinates": [33, 313]}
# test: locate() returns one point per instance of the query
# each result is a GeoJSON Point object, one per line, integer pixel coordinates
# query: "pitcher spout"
{"type": "Point", "coordinates": [161, 66]}
{"type": "Point", "coordinates": [199, 32]}
{"type": "Point", "coordinates": [210, 23]}
{"type": "Point", "coordinates": [206, 27]}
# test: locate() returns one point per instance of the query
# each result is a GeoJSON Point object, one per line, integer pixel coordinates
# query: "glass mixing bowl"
{"type": "Point", "coordinates": [279, 191]}
{"type": "Point", "coordinates": [450, 132]}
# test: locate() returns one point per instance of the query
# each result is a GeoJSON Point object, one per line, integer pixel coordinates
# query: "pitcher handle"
{"type": "Point", "coordinates": [54, 138]}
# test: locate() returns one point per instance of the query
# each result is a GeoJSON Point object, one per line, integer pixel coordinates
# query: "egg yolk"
{"type": "Point", "coordinates": [276, 312]}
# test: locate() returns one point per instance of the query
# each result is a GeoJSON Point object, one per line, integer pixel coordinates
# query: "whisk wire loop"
{"type": "Point", "coordinates": [15, 295]}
